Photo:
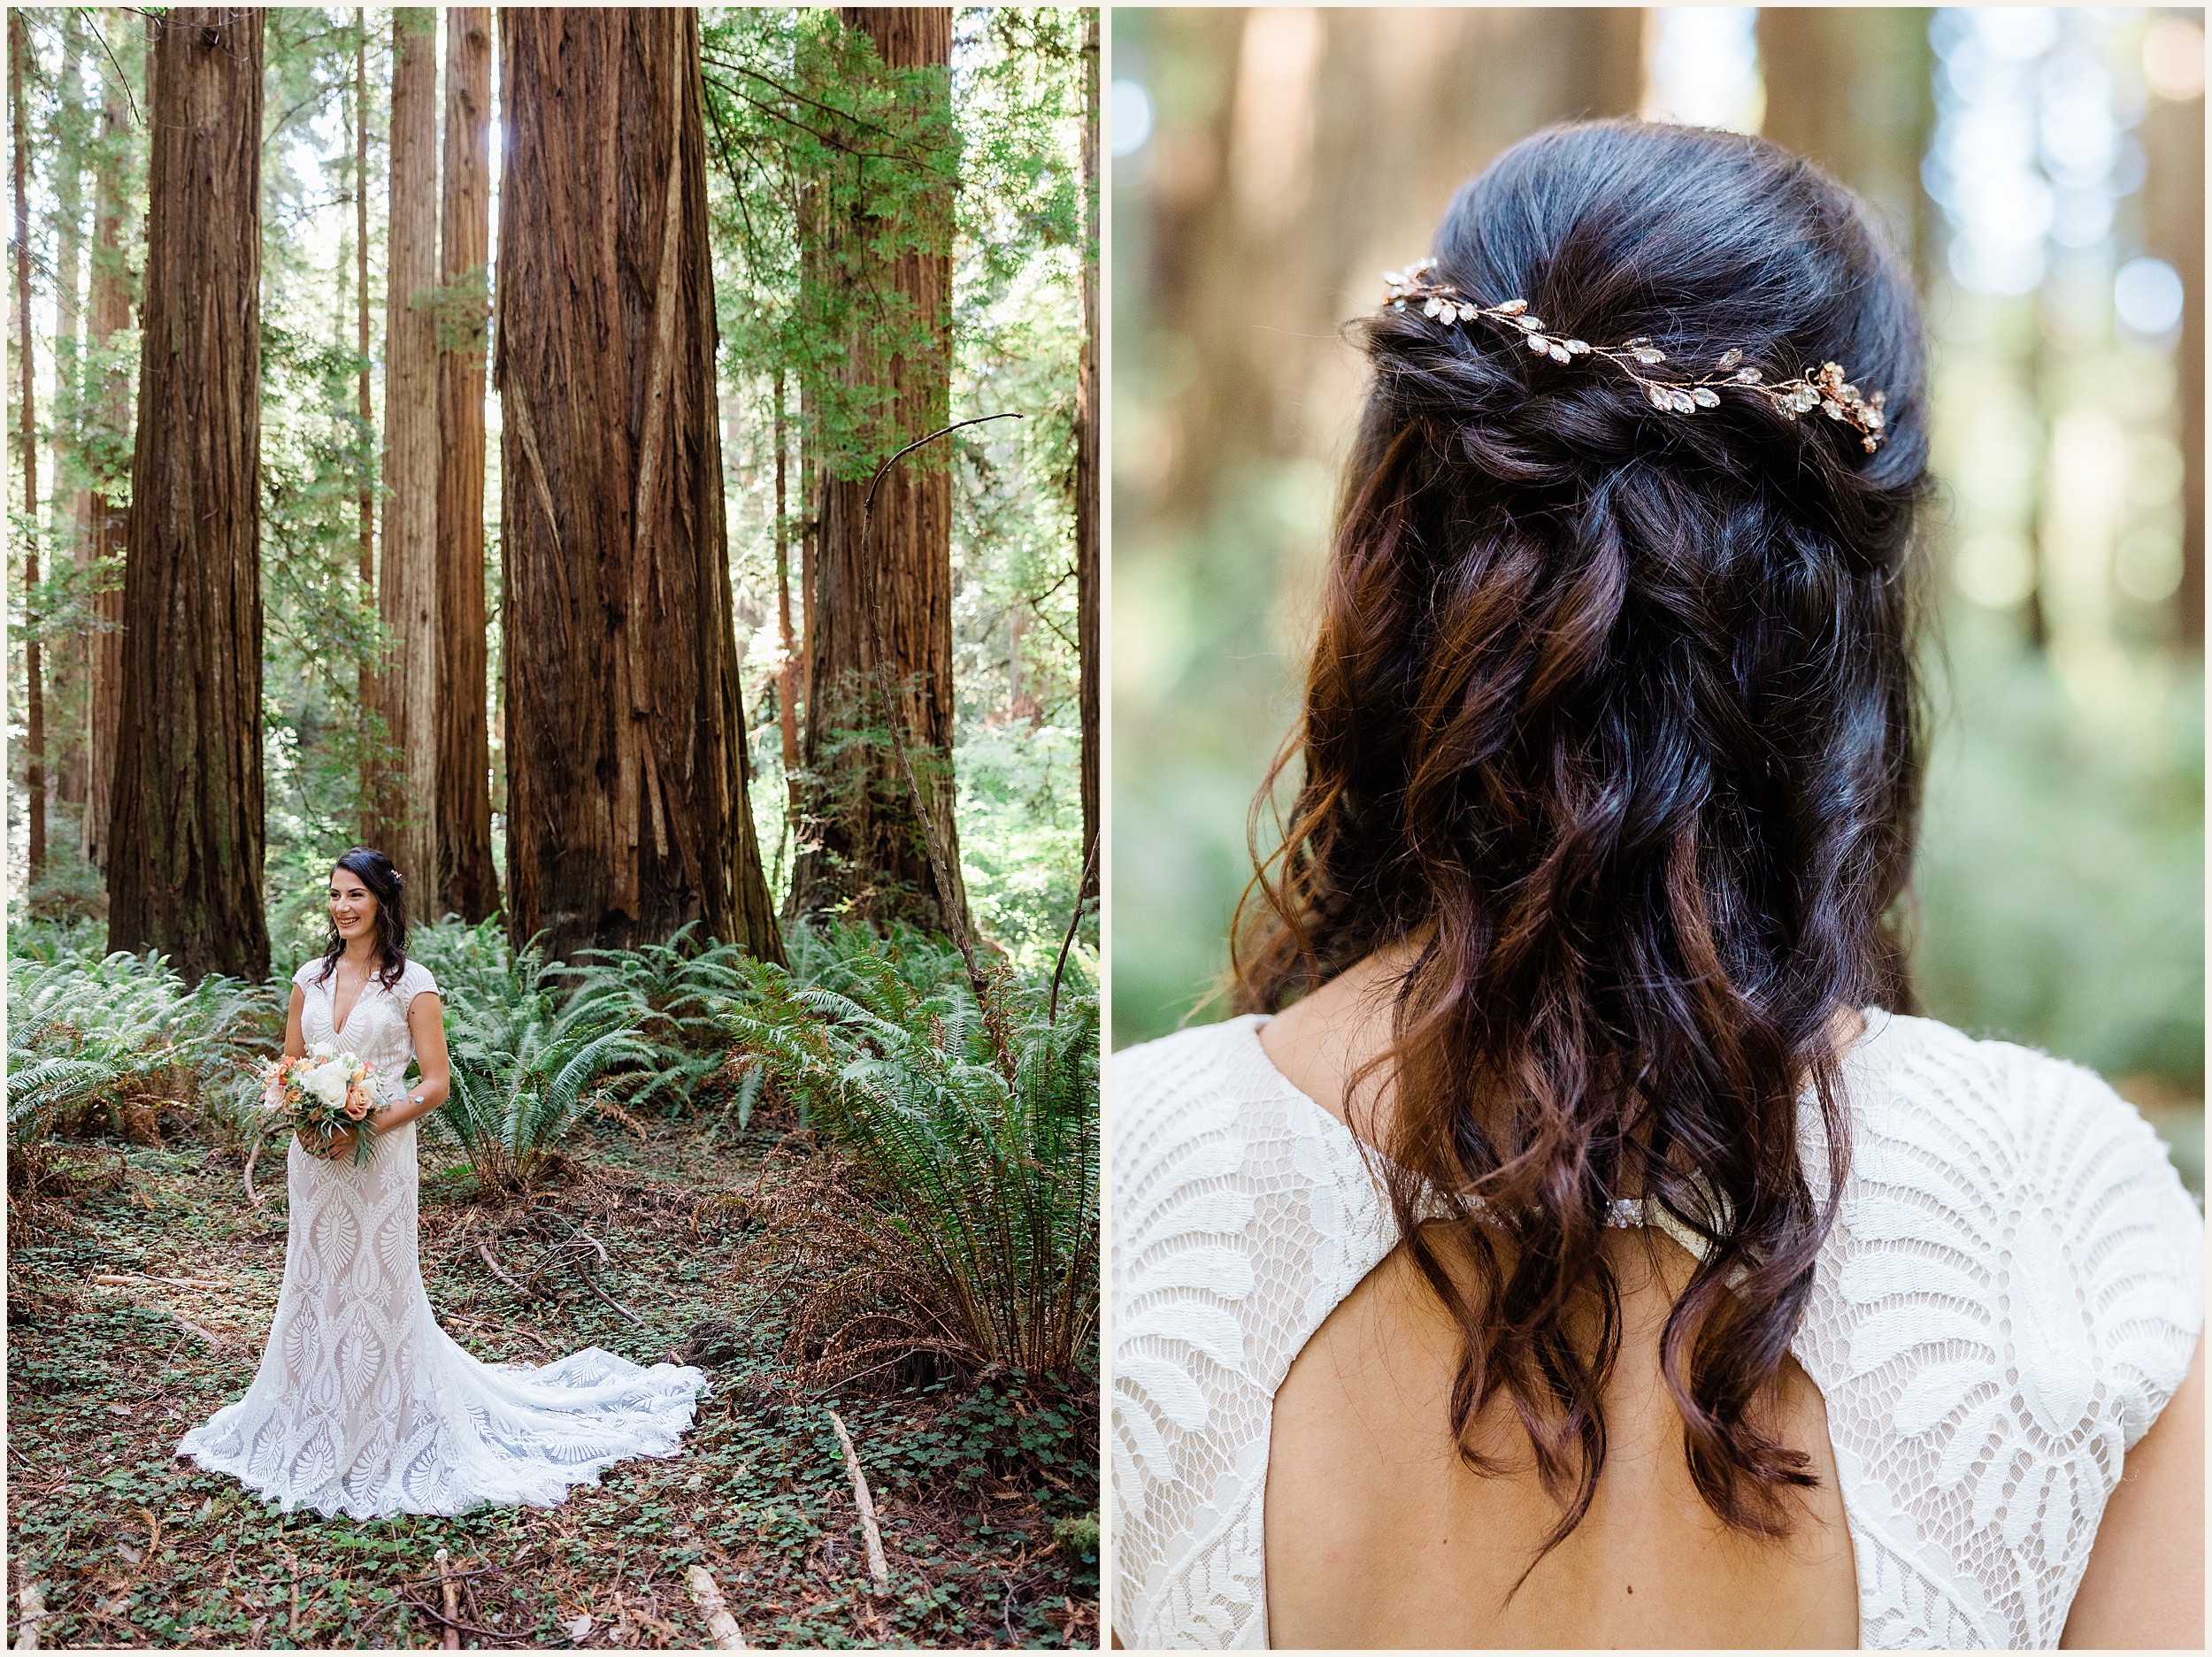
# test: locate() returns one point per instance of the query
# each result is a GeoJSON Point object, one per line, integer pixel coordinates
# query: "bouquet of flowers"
{"type": "Point", "coordinates": [321, 1095]}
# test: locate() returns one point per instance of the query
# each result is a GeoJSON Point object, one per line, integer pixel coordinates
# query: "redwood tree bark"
{"type": "Point", "coordinates": [34, 748]}
{"type": "Point", "coordinates": [367, 500]}
{"type": "Point", "coordinates": [2173, 202]}
{"type": "Point", "coordinates": [628, 814]}
{"type": "Point", "coordinates": [405, 826]}
{"type": "Point", "coordinates": [184, 870]}
{"type": "Point", "coordinates": [466, 885]}
{"type": "Point", "coordinates": [1087, 462]}
{"type": "Point", "coordinates": [110, 314]}
{"type": "Point", "coordinates": [73, 512]}
{"type": "Point", "coordinates": [882, 606]}
{"type": "Point", "coordinates": [787, 675]}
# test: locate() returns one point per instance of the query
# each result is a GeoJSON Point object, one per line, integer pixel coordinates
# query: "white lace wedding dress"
{"type": "Point", "coordinates": [2009, 1295]}
{"type": "Point", "coordinates": [363, 1405]}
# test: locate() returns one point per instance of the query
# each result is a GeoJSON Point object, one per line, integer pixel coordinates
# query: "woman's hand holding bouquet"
{"type": "Point", "coordinates": [328, 1098]}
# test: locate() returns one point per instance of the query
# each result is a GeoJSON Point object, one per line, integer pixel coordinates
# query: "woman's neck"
{"type": "Point", "coordinates": [361, 953]}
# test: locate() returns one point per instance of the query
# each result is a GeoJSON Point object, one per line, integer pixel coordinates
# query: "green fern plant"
{"type": "Point", "coordinates": [529, 1063]}
{"type": "Point", "coordinates": [952, 1222]}
{"type": "Point", "coordinates": [125, 1035]}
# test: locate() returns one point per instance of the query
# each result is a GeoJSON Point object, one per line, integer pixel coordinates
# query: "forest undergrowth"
{"type": "Point", "coordinates": [147, 1250]}
{"type": "Point", "coordinates": [987, 1493]}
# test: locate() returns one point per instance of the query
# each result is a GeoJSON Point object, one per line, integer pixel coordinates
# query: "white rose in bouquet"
{"type": "Point", "coordinates": [328, 1081]}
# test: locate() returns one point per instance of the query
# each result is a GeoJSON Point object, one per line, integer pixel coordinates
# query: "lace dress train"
{"type": "Point", "coordinates": [363, 1405]}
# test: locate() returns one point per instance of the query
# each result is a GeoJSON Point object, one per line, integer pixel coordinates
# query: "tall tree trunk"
{"type": "Point", "coordinates": [35, 704]}
{"type": "Point", "coordinates": [787, 675]}
{"type": "Point", "coordinates": [367, 500]}
{"type": "Point", "coordinates": [184, 870]}
{"type": "Point", "coordinates": [1850, 88]}
{"type": "Point", "coordinates": [626, 776]}
{"type": "Point", "coordinates": [72, 527]}
{"type": "Point", "coordinates": [406, 826]}
{"type": "Point", "coordinates": [1087, 462]}
{"type": "Point", "coordinates": [466, 884]}
{"type": "Point", "coordinates": [111, 315]}
{"type": "Point", "coordinates": [2173, 202]}
{"type": "Point", "coordinates": [881, 606]}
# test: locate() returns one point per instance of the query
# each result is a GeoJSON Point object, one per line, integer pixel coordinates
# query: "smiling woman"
{"type": "Point", "coordinates": [363, 1405]}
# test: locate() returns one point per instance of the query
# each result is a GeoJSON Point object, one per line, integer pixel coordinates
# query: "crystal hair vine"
{"type": "Point", "coordinates": [1825, 389]}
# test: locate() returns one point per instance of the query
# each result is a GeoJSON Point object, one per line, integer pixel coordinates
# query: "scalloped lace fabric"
{"type": "Point", "coordinates": [2011, 1293]}
{"type": "Point", "coordinates": [363, 1405]}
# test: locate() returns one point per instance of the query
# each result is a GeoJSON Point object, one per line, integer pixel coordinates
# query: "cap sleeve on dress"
{"type": "Point", "coordinates": [415, 980]}
{"type": "Point", "coordinates": [2142, 1280]}
{"type": "Point", "coordinates": [306, 976]}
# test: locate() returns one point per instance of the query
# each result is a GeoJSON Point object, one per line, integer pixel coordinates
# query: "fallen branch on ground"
{"type": "Point", "coordinates": [720, 1624]}
{"type": "Point", "coordinates": [484, 1253]}
{"type": "Point", "coordinates": [450, 1592]}
{"type": "Point", "coordinates": [878, 1571]}
{"type": "Point", "coordinates": [32, 1599]}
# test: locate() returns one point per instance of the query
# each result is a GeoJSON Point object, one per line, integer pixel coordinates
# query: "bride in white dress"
{"type": "Point", "coordinates": [363, 1405]}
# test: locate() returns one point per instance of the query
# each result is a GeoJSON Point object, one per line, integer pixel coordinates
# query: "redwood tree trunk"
{"type": "Point", "coordinates": [184, 870]}
{"type": "Point", "coordinates": [466, 885]}
{"type": "Point", "coordinates": [787, 675]}
{"type": "Point", "coordinates": [1087, 462]}
{"type": "Point", "coordinates": [881, 606]}
{"type": "Point", "coordinates": [405, 824]}
{"type": "Point", "coordinates": [2173, 201]}
{"type": "Point", "coordinates": [72, 512]}
{"type": "Point", "coordinates": [367, 500]}
{"type": "Point", "coordinates": [628, 814]}
{"type": "Point", "coordinates": [110, 314]}
{"type": "Point", "coordinates": [35, 706]}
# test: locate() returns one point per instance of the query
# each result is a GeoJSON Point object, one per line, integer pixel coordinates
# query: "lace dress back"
{"type": "Point", "coordinates": [363, 1405]}
{"type": "Point", "coordinates": [2012, 1290]}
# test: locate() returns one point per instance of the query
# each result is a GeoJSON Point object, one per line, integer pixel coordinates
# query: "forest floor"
{"type": "Point", "coordinates": [987, 1494]}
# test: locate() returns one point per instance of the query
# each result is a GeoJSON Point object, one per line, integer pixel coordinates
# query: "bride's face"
{"type": "Point", "coordinates": [352, 905]}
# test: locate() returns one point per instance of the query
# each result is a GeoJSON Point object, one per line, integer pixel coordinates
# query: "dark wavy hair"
{"type": "Point", "coordinates": [389, 887]}
{"type": "Point", "coordinates": [1613, 723]}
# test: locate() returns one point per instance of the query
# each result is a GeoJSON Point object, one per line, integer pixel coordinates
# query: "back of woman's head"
{"type": "Point", "coordinates": [1612, 723]}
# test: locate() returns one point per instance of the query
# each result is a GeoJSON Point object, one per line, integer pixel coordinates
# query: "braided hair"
{"type": "Point", "coordinates": [1612, 723]}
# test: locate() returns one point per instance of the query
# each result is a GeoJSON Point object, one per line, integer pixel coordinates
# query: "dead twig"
{"type": "Point", "coordinates": [1082, 885]}
{"type": "Point", "coordinates": [484, 1253]}
{"type": "Point", "coordinates": [253, 1196]}
{"type": "Point", "coordinates": [878, 1571]}
{"type": "Point", "coordinates": [450, 1592]}
{"type": "Point", "coordinates": [33, 1600]}
{"type": "Point", "coordinates": [147, 1276]}
{"type": "Point", "coordinates": [720, 1624]}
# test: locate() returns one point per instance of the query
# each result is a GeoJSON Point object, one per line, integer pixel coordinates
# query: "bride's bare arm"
{"type": "Point", "coordinates": [2145, 1584]}
{"type": "Point", "coordinates": [295, 1037]}
{"type": "Point", "coordinates": [425, 1020]}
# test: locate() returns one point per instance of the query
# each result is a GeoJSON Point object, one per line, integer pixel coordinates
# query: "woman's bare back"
{"type": "Point", "coordinates": [1378, 1535]}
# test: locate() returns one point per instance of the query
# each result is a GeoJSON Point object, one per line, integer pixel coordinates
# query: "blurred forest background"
{"type": "Point", "coordinates": [2043, 171]}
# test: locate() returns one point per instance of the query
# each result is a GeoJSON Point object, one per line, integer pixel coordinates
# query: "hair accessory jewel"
{"type": "Point", "coordinates": [1825, 389]}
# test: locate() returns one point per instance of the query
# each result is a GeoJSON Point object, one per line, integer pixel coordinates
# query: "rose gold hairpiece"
{"type": "Point", "coordinates": [1825, 389]}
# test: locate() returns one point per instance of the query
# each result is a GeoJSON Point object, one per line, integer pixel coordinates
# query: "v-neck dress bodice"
{"type": "Point", "coordinates": [2011, 1290]}
{"type": "Point", "coordinates": [363, 1405]}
